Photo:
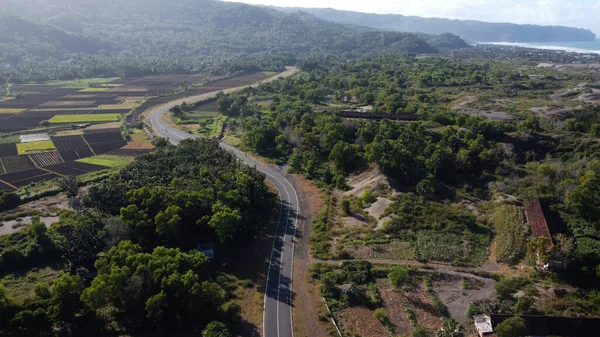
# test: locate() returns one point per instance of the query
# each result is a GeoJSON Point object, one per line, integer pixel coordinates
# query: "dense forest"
{"type": "Point", "coordinates": [476, 31]}
{"type": "Point", "coordinates": [88, 38]}
{"type": "Point", "coordinates": [131, 249]}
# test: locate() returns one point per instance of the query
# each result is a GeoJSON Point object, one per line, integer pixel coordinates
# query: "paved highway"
{"type": "Point", "coordinates": [277, 312]}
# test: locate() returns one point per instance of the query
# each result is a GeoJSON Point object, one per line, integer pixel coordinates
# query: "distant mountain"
{"type": "Point", "coordinates": [475, 31]}
{"type": "Point", "coordinates": [207, 27]}
{"type": "Point", "coordinates": [20, 37]}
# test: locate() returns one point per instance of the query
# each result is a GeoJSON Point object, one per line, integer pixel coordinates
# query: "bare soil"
{"type": "Point", "coordinates": [457, 300]}
{"type": "Point", "coordinates": [307, 300]}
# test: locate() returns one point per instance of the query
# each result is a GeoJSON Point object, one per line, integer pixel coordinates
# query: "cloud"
{"type": "Point", "coordinates": [574, 13]}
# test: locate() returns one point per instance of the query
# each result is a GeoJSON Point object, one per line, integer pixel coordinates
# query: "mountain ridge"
{"type": "Point", "coordinates": [472, 30]}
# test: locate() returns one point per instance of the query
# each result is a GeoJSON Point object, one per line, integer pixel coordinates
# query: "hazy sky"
{"type": "Point", "coordinates": [575, 13]}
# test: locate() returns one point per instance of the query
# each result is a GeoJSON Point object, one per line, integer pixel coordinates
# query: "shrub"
{"type": "Point", "coordinates": [399, 277]}
{"type": "Point", "coordinates": [512, 327]}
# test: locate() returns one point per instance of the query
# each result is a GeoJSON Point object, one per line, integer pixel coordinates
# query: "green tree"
{"type": "Point", "coordinates": [225, 221]}
{"type": "Point", "coordinates": [512, 327]}
{"type": "Point", "coordinates": [216, 329]}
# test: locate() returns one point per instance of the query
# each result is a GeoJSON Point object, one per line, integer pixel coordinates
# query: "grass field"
{"type": "Point", "coordinates": [107, 160]}
{"type": "Point", "coordinates": [10, 139]}
{"type": "Point", "coordinates": [20, 285]}
{"type": "Point", "coordinates": [94, 89]}
{"type": "Point", "coordinates": [44, 145]}
{"type": "Point", "coordinates": [83, 83]}
{"type": "Point", "coordinates": [10, 111]}
{"type": "Point", "coordinates": [201, 114]}
{"type": "Point", "coordinates": [85, 118]}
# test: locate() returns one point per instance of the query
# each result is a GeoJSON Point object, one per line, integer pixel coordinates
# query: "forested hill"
{"type": "Point", "coordinates": [182, 29]}
{"type": "Point", "coordinates": [476, 31]}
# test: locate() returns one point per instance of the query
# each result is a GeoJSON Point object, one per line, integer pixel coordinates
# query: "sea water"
{"type": "Point", "coordinates": [586, 47]}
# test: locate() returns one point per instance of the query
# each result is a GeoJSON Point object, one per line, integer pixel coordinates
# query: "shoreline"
{"type": "Point", "coordinates": [548, 46]}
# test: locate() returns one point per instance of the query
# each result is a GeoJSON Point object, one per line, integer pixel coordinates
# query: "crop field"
{"type": "Point", "coordinates": [5, 187]}
{"type": "Point", "coordinates": [129, 152]}
{"type": "Point", "coordinates": [84, 118]}
{"type": "Point", "coordinates": [71, 155]}
{"type": "Point", "coordinates": [34, 147]}
{"type": "Point", "coordinates": [101, 148]}
{"type": "Point", "coordinates": [46, 159]}
{"type": "Point", "coordinates": [75, 168]}
{"type": "Point", "coordinates": [21, 175]}
{"type": "Point", "coordinates": [8, 150]}
{"type": "Point", "coordinates": [94, 89]}
{"type": "Point", "coordinates": [17, 163]}
{"type": "Point", "coordinates": [107, 160]}
{"type": "Point", "coordinates": [97, 136]}
{"type": "Point", "coordinates": [35, 179]}
{"type": "Point", "coordinates": [82, 83]}
{"type": "Point", "coordinates": [67, 143]}
{"type": "Point", "coordinates": [123, 106]}
{"type": "Point", "coordinates": [10, 111]}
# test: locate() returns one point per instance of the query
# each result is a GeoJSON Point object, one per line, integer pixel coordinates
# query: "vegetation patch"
{"type": "Point", "coordinates": [82, 83]}
{"type": "Point", "coordinates": [34, 147]}
{"type": "Point", "coordinates": [10, 111]}
{"type": "Point", "coordinates": [59, 119]}
{"type": "Point", "coordinates": [511, 233]}
{"type": "Point", "coordinates": [94, 89]}
{"type": "Point", "coordinates": [122, 106]}
{"type": "Point", "coordinates": [108, 161]}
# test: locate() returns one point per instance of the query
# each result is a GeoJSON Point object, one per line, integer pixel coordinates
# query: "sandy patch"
{"type": "Point", "coordinates": [495, 115]}
{"type": "Point", "coordinates": [12, 226]}
{"type": "Point", "coordinates": [370, 179]}
{"type": "Point", "coordinates": [457, 300]}
{"type": "Point", "coordinates": [553, 110]}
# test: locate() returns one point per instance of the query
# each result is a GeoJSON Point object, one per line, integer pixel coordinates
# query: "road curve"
{"type": "Point", "coordinates": [277, 310]}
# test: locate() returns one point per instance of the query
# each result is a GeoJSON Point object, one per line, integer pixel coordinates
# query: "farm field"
{"type": "Point", "coordinates": [84, 118]}
{"type": "Point", "coordinates": [38, 146]}
{"type": "Point", "coordinates": [107, 160]}
{"type": "Point", "coordinates": [47, 108]}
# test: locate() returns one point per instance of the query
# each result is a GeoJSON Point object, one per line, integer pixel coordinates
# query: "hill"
{"type": "Point", "coordinates": [476, 31]}
{"type": "Point", "coordinates": [209, 27]}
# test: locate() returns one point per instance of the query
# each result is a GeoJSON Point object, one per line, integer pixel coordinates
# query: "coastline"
{"type": "Point", "coordinates": [558, 46]}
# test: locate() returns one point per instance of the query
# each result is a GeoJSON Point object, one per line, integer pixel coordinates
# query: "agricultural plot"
{"type": "Point", "coordinates": [8, 150]}
{"type": "Point", "coordinates": [92, 131]}
{"type": "Point", "coordinates": [68, 143]}
{"type": "Point", "coordinates": [11, 111]}
{"type": "Point", "coordinates": [68, 104]}
{"type": "Point", "coordinates": [101, 148]}
{"type": "Point", "coordinates": [17, 163]}
{"type": "Point", "coordinates": [35, 147]}
{"type": "Point", "coordinates": [108, 135]}
{"type": "Point", "coordinates": [107, 161]}
{"type": "Point", "coordinates": [46, 159]}
{"type": "Point", "coordinates": [71, 155]}
{"type": "Point", "coordinates": [129, 152]}
{"type": "Point", "coordinates": [75, 168]}
{"type": "Point", "coordinates": [5, 187]}
{"type": "Point", "coordinates": [94, 89]}
{"type": "Point", "coordinates": [36, 179]}
{"type": "Point", "coordinates": [22, 175]}
{"type": "Point", "coordinates": [59, 119]}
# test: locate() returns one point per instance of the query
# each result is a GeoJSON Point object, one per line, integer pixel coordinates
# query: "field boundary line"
{"type": "Point", "coordinates": [9, 184]}
{"type": "Point", "coordinates": [88, 145]}
{"type": "Point", "coordinates": [332, 319]}
{"type": "Point", "coordinates": [3, 167]}
{"type": "Point", "coordinates": [58, 174]}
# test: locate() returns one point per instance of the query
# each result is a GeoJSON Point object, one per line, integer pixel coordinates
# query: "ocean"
{"type": "Point", "coordinates": [585, 47]}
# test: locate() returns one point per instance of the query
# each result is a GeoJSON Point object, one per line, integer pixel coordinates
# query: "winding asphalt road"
{"type": "Point", "coordinates": [277, 311]}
